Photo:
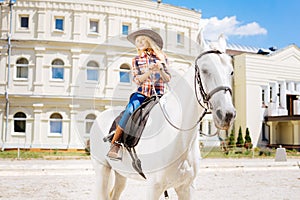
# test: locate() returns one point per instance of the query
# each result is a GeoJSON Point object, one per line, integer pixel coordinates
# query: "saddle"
{"type": "Point", "coordinates": [134, 129]}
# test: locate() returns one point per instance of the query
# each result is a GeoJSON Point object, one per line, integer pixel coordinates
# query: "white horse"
{"type": "Point", "coordinates": [170, 156]}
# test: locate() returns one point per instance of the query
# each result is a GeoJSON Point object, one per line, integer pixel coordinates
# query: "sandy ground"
{"type": "Point", "coordinates": [218, 179]}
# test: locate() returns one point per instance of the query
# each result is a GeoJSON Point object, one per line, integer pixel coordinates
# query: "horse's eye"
{"type": "Point", "coordinates": [204, 71]}
{"type": "Point", "coordinates": [231, 74]}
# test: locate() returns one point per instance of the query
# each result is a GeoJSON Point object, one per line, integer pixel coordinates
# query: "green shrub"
{"type": "Point", "coordinates": [231, 139]}
{"type": "Point", "coordinates": [248, 142]}
{"type": "Point", "coordinates": [240, 140]}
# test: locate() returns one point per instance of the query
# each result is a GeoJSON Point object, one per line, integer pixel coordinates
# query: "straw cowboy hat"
{"type": "Point", "coordinates": [147, 32]}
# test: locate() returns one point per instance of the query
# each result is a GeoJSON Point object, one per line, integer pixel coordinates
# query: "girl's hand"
{"type": "Point", "coordinates": [154, 67]}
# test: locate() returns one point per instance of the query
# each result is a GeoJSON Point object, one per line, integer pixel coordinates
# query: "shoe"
{"type": "Point", "coordinates": [114, 152]}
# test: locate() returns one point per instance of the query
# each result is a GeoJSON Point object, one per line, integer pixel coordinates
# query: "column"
{"type": "Point", "coordinates": [38, 75]}
{"type": "Point", "coordinates": [273, 132]}
{"type": "Point", "coordinates": [296, 132]}
{"type": "Point", "coordinates": [37, 126]}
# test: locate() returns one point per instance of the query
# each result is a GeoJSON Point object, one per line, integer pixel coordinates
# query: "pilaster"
{"type": "Point", "coordinates": [74, 75]}
{"type": "Point", "coordinates": [109, 87]}
{"type": "Point", "coordinates": [75, 140]}
{"type": "Point", "coordinates": [38, 75]}
{"type": "Point", "coordinates": [4, 21]}
{"type": "Point", "coordinates": [76, 26]}
{"type": "Point", "coordinates": [41, 29]}
{"type": "Point", "coordinates": [37, 126]}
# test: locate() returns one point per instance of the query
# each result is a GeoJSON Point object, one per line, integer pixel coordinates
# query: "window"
{"type": "Point", "coordinates": [271, 94]}
{"type": "Point", "coordinates": [59, 23]}
{"type": "Point", "coordinates": [263, 97]}
{"type": "Point", "coordinates": [58, 69]}
{"type": "Point", "coordinates": [20, 122]}
{"type": "Point", "coordinates": [89, 121]}
{"type": "Point", "coordinates": [56, 123]}
{"type": "Point", "coordinates": [209, 127]}
{"type": "Point", "coordinates": [92, 72]}
{"type": "Point", "coordinates": [180, 38]}
{"type": "Point", "coordinates": [124, 73]}
{"type": "Point", "coordinates": [125, 29]}
{"type": "Point", "coordinates": [279, 94]}
{"type": "Point", "coordinates": [24, 22]}
{"type": "Point", "coordinates": [22, 68]}
{"type": "Point", "coordinates": [94, 26]}
{"type": "Point", "coordinates": [201, 128]}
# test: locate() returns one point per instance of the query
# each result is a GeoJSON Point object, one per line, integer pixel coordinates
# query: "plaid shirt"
{"type": "Point", "coordinates": [140, 66]}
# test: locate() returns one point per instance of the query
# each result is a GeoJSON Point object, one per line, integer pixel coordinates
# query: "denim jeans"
{"type": "Point", "coordinates": [135, 101]}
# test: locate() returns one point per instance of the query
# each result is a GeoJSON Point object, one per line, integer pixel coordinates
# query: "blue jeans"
{"type": "Point", "coordinates": [135, 101]}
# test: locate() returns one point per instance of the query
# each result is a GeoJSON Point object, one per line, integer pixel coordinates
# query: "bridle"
{"type": "Point", "coordinates": [206, 96]}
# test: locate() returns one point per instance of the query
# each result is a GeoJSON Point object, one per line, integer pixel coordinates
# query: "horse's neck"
{"type": "Point", "coordinates": [181, 108]}
{"type": "Point", "coordinates": [183, 90]}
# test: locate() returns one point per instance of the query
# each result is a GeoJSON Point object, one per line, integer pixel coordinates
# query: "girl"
{"type": "Point", "coordinates": [149, 69]}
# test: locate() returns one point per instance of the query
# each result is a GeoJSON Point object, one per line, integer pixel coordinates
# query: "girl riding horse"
{"type": "Point", "coordinates": [149, 69]}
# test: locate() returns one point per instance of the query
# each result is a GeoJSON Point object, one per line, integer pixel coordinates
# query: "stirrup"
{"type": "Point", "coordinates": [119, 153]}
{"type": "Point", "coordinates": [109, 136]}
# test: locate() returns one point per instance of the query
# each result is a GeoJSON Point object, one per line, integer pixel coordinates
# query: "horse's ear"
{"type": "Point", "coordinates": [222, 42]}
{"type": "Point", "coordinates": [200, 39]}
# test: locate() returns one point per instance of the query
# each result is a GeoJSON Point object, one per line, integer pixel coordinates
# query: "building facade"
{"type": "Point", "coordinates": [70, 60]}
{"type": "Point", "coordinates": [266, 93]}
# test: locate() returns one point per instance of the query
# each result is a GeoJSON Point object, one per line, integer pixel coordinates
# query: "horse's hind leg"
{"type": "Point", "coordinates": [183, 192]}
{"type": "Point", "coordinates": [102, 178]}
{"type": "Point", "coordinates": [119, 186]}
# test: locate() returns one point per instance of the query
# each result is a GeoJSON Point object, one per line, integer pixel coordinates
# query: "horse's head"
{"type": "Point", "coordinates": [215, 73]}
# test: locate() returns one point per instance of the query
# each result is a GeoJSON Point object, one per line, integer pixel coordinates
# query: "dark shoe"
{"type": "Point", "coordinates": [114, 152]}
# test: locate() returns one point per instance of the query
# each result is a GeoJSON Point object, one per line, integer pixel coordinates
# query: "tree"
{"type": "Point", "coordinates": [240, 140]}
{"type": "Point", "coordinates": [231, 139]}
{"type": "Point", "coordinates": [248, 143]}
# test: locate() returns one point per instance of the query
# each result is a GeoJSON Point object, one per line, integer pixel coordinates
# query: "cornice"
{"type": "Point", "coordinates": [128, 8]}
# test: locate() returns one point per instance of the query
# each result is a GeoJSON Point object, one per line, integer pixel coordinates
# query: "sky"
{"type": "Point", "coordinates": [256, 23]}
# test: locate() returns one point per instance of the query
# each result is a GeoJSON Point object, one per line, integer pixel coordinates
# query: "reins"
{"type": "Point", "coordinates": [205, 96]}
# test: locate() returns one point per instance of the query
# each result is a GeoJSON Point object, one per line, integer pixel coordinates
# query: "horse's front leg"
{"type": "Point", "coordinates": [119, 186]}
{"type": "Point", "coordinates": [102, 178]}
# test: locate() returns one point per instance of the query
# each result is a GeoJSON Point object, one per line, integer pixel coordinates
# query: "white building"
{"type": "Point", "coordinates": [71, 60]}
{"type": "Point", "coordinates": [266, 95]}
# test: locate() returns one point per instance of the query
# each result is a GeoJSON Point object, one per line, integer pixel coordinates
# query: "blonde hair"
{"type": "Point", "coordinates": [159, 53]}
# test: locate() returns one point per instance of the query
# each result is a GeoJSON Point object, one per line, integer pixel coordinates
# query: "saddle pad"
{"type": "Point", "coordinates": [136, 123]}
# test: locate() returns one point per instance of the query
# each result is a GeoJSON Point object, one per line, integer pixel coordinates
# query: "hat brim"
{"type": "Point", "coordinates": [147, 32]}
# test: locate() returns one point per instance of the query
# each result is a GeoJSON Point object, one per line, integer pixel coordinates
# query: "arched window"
{"type": "Point", "coordinates": [57, 69]}
{"type": "Point", "coordinates": [89, 121]}
{"type": "Point", "coordinates": [124, 73]}
{"type": "Point", "coordinates": [20, 122]}
{"type": "Point", "coordinates": [22, 68]}
{"type": "Point", "coordinates": [92, 71]}
{"type": "Point", "coordinates": [56, 123]}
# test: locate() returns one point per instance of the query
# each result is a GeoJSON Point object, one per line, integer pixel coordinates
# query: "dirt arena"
{"type": "Point", "coordinates": [218, 179]}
